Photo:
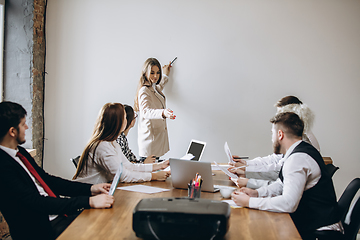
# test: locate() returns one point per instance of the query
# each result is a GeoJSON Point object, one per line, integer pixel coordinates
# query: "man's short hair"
{"type": "Point", "coordinates": [10, 116]}
{"type": "Point", "coordinates": [290, 123]}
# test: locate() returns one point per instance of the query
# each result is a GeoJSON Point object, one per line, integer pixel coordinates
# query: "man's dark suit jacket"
{"type": "Point", "coordinates": [24, 209]}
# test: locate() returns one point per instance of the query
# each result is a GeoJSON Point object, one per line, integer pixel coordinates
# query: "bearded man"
{"type": "Point", "coordinates": [304, 187]}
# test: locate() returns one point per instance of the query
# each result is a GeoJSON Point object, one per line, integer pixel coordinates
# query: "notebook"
{"type": "Point", "coordinates": [182, 171]}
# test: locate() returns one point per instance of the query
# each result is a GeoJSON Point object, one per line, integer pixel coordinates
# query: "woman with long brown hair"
{"type": "Point", "coordinates": [102, 155]}
{"type": "Point", "coordinates": [150, 103]}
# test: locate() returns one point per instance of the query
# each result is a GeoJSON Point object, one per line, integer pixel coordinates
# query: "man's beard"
{"type": "Point", "coordinates": [20, 141]}
{"type": "Point", "coordinates": [276, 147]}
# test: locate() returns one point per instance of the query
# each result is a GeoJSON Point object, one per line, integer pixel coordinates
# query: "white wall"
{"type": "Point", "coordinates": [235, 60]}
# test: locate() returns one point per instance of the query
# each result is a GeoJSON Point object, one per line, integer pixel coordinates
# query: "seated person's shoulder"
{"type": "Point", "coordinates": [301, 161]}
{"type": "Point", "coordinates": [106, 147]}
{"type": "Point", "coordinates": [103, 149]}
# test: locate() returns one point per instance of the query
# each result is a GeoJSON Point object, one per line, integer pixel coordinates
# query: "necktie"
{"type": "Point", "coordinates": [35, 174]}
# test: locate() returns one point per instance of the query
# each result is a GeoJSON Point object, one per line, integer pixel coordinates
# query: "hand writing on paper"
{"type": "Point", "coordinates": [240, 182]}
{"type": "Point", "coordinates": [236, 170]}
{"type": "Point", "coordinates": [238, 161]}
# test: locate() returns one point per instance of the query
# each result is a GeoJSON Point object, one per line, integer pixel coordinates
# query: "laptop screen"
{"type": "Point", "coordinates": [196, 148]}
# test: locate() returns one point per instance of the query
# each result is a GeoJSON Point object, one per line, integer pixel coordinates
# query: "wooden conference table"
{"type": "Point", "coordinates": [116, 223]}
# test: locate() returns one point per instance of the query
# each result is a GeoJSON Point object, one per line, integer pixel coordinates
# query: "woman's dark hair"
{"type": "Point", "coordinates": [10, 116]}
{"type": "Point", "coordinates": [129, 115]}
{"type": "Point", "coordinates": [288, 100]}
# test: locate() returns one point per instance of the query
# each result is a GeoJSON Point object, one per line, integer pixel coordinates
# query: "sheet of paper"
{"type": "Point", "coordinates": [143, 189]}
{"type": "Point", "coordinates": [188, 156]}
{"type": "Point", "coordinates": [214, 167]}
{"type": "Point", "coordinates": [231, 203]}
{"type": "Point", "coordinates": [232, 175]}
{"type": "Point", "coordinates": [115, 180]}
{"type": "Point", "coordinates": [228, 153]}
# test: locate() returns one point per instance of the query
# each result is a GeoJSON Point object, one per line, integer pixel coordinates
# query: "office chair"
{"type": "Point", "coordinates": [347, 197]}
{"type": "Point", "coordinates": [75, 160]}
{"type": "Point", "coordinates": [343, 207]}
{"type": "Point", "coordinates": [350, 230]}
{"type": "Point", "coordinates": [331, 168]}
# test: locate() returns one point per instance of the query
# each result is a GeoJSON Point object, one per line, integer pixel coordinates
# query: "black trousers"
{"type": "Point", "coordinates": [60, 223]}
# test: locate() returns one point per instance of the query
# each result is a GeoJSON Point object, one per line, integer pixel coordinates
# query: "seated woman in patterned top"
{"type": "Point", "coordinates": [122, 140]}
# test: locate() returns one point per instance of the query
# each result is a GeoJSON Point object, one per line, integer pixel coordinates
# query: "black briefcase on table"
{"type": "Point", "coordinates": [180, 218]}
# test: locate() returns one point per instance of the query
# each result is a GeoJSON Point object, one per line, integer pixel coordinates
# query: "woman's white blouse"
{"type": "Point", "coordinates": [112, 156]}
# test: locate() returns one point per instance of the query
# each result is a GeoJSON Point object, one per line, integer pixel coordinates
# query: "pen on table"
{"type": "Point", "coordinates": [241, 157]}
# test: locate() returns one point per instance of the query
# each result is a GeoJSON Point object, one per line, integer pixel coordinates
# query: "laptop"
{"type": "Point", "coordinates": [196, 148]}
{"type": "Point", "coordinates": [182, 171]}
{"type": "Point", "coordinates": [194, 152]}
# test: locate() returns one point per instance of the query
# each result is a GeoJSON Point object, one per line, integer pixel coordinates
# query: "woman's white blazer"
{"type": "Point", "coordinates": [152, 130]}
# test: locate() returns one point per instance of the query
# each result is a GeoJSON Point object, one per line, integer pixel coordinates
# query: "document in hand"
{"type": "Point", "coordinates": [228, 153]}
{"type": "Point", "coordinates": [232, 175]}
{"type": "Point", "coordinates": [116, 180]}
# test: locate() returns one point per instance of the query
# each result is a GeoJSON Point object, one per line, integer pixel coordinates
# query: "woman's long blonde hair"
{"type": "Point", "coordinates": [107, 128]}
{"type": "Point", "coordinates": [149, 63]}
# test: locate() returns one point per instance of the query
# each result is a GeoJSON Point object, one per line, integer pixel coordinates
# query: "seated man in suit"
{"type": "Point", "coordinates": [304, 187]}
{"type": "Point", "coordinates": [30, 199]}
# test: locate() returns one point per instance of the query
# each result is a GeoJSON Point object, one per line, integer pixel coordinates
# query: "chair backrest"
{"type": "Point", "coordinates": [352, 229]}
{"type": "Point", "coordinates": [75, 160]}
{"type": "Point", "coordinates": [347, 197]}
{"type": "Point", "coordinates": [331, 168]}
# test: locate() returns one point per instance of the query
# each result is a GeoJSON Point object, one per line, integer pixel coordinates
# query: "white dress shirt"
{"type": "Point", "coordinates": [271, 162]}
{"type": "Point", "coordinates": [300, 172]}
{"type": "Point", "coordinates": [112, 156]}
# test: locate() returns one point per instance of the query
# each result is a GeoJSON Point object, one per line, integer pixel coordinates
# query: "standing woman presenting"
{"type": "Point", "coordinates": [150, 102]}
